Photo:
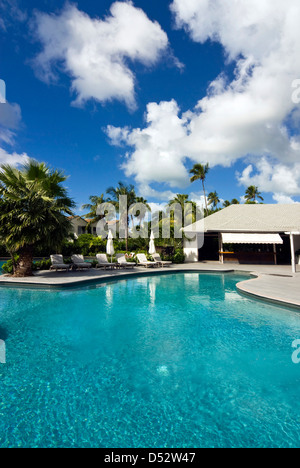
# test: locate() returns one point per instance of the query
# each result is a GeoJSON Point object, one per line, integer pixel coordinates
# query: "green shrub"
{"type": "Point", "coordinates": [134, 245]}
{"type": "Point", "coordinates": [43, 265]}
{"type": "Point", "coordinates": [8, 267]}
{"type": "Point", "coordinates": [86, 244]}
{"type": "Point", "coordinates": [178, 256]}
{"type": "Point", "coordinates": [40, 265]}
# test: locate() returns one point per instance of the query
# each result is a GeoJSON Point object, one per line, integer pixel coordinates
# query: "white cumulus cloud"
{"type": "Point", "coordinates": [97, 53]}
{"type": "Point", "coordinates": [158, 155]}
{"type": "Point", "coordinates": [240, 117]}
{"type": "Point", "coordinates": [277, 178]}
{"type": "Point", "coordinates": [10, 115]}
{"type": "Point", "coordinates": [13, 159]}
{"type": "Point", "coordinates": [10, 122]}
{"type": "Point", "coordinates": [283, 199]}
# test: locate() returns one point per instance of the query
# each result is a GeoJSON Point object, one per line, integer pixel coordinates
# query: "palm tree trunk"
{"type": "Point", "coordinates": [24, 264]}
{"type": "Point", "coordinates": [205, 197]}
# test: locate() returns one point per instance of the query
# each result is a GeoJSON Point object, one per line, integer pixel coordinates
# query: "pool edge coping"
{"type": "Point", "coordinates": [242, 289]}
{"type": "Point", "coordinates": [85, 282]}
{"type": "Point", "coordinates": [104, 279]}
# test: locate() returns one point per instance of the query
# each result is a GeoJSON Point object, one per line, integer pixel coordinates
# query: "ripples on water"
{"type": "Point", "coordinates": [165, 361]}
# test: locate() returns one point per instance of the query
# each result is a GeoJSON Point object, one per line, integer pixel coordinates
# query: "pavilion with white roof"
{"type": "Point", "coordinates": [256, 233]}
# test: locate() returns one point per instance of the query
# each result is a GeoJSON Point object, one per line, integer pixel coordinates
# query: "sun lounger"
{"type": "Point", "coordinates": [122, 262]}
{"type": "Point", "coordinates": [103, 262]}
{"type": "Point", "coordinates": [79, 263]}
{"type": "Point", "coordinates": [143, 261]}
{"type": "Point", "coordinates": [58, 263]}
{"type": "Point", "coordinates": [156, 257]}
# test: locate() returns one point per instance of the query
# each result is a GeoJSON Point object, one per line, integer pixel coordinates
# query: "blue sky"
{"type": "Point", "coordinates": [140, 91]}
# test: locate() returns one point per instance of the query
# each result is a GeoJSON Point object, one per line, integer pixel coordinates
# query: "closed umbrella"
{"type": "Point", "coordinates": [110, 245]}
{"type": "Point", "coordinates": [152, 249]}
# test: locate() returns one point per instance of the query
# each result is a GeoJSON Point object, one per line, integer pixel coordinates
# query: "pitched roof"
{"type": "Point", "coordinates": [251, 218]}
{"type": "Point", "coordinates": [76, 217]}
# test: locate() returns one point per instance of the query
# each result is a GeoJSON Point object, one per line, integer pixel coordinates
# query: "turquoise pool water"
{"type": "Point", "coordinates": [165, 361]}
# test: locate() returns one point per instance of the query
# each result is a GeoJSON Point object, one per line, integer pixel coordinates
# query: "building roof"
{"type": "Point", "coordinates": [88, 220]}
{"type": "Point", "coordinates": [77, 217]}
{"type": "Point", "coordinates": [251, 218]}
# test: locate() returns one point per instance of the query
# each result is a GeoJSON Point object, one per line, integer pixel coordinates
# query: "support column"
{"type": "Point", "coordinates": [221, 256]}
{"type": "Point", "coordinates": [293, 256]}
{"type": "Point", "coordinates": [275, 254]}
{"type": "Point", "coordinates": [191, 250]}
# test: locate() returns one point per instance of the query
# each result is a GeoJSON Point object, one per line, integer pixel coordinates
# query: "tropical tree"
{"type": "Point", "coordinates": [179, 199]}
{"type": "Point", "coordinates": [252, 194]}
{"type": "Point", "coordinates": [115, 194]}
{"type": "Point", "coordinates": [213, 199]}
{"type": "Point", "coordinates": [92, 216]}
{"type": "Point", "coordinates": [227, 203]}
{"type": "Point", "coordinates": [200, 172]}
{"type": "Point", "coordinates": [187, 216]}
{"type": "Point", "coordinates": [95, 201]}
{"type": "Point", "coordinates": [183, 200]}
{"type": "Point", "coordinates": [143, 211]}
{"type": "Point", "coordinates": [33, 209]}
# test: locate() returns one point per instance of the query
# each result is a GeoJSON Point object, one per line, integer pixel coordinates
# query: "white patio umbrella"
{"type": "Point", "coordinates": [152, 249]}
{"type": "Point", "coordinates": [110, 245]}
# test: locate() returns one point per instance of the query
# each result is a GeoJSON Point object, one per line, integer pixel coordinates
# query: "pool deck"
{"type": "Point", "coordinates": [269, 282]}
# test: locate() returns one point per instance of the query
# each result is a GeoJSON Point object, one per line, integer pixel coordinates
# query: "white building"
{"type": "Point", "coordinates": [79, 225]}
{"type": "Point", "coordinates": [83, 226]}
{"type": "Point", "coordinates": [255, 233]}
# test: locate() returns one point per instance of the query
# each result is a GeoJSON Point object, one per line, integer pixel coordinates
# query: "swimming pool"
{"type": "Point", "coordinates": [178, 360]}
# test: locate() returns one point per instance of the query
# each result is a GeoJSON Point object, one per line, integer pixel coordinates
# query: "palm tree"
{"type": "Point", "coordinates": [179, 199]}
{"type": "Point", "coordinates": [33, 209]}
{"type": "Point", "coordinates": [182, 200]}
{"type": "Point", "coordinates": [253, 194]}
{"type": "Point", "coordinates": [92, 215]}
{"type": "Point", "coordinates": [146, 207]}
{"type": "Point", "coordinates": [213, 199]}
{"type": "Point", "coordinates": [199, 173]}
{"type": "Point", "coordinates": [227, 203]}
{"type": "Point", "coordinates": [115, 194]}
